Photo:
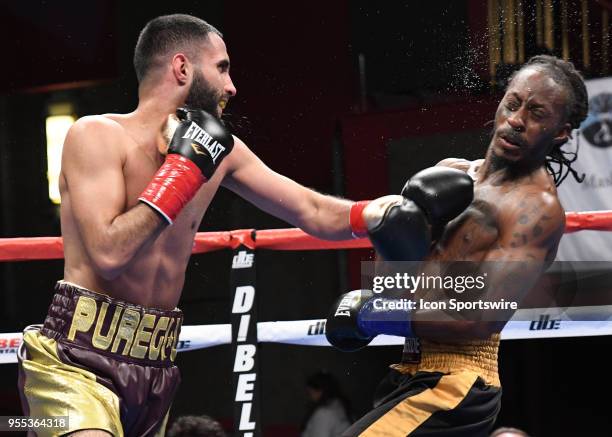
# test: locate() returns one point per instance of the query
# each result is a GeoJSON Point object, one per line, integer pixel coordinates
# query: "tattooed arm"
{"type": "Point", "coordinates": [529, 234]}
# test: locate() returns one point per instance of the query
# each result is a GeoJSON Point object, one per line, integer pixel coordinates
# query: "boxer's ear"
{"type": "Point", "coordinates": [565, 133]}
{"type": "Point", "coordinates": [180, 71]}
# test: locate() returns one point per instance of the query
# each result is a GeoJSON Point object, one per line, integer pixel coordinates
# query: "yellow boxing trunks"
{"type": "Point", "coordinates": [104, 363]}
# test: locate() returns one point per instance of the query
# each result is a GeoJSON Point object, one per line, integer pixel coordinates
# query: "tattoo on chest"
{"type": "Point", "coordinates": [533, 223]}
{"type": "Point", "coordinates": [477, 226]}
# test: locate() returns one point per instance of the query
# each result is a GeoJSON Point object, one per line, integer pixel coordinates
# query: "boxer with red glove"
{"type": "Point", "coordinates": [199, 144]}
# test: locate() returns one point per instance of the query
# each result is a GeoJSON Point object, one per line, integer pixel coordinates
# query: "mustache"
{"type": "Point", "coordinates": [511, 136]}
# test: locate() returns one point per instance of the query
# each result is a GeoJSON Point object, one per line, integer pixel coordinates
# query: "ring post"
{"type": "Point", "coordinates": [244, 343]}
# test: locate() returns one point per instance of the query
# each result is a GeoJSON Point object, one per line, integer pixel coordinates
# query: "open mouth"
{"type": "Point", "coordinates": [508, 144]}
{"type": "Point", "coordinates": [222, 104]}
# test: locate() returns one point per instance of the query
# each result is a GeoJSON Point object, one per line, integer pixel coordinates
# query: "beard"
{"type": "Point", "coordinates": [500, 163]}
{"type": "Point", "coordinates": [202, 95]}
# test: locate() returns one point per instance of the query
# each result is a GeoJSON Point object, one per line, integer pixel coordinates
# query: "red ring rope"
{"type": "Point", "coordinates": [41, 248]}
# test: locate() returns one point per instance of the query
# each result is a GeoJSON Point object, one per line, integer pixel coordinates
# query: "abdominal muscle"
{"type": "Point", "coordinates": [155, 276]}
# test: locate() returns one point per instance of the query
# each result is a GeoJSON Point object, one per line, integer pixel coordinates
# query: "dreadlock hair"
{"type": "Point", "coordinates": [559, 161]}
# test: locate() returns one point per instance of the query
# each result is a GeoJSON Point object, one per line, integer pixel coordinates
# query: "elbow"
{"type": "Point", "coordinates": [108, 266]}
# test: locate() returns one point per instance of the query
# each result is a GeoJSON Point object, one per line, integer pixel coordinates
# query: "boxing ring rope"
{"type": "Point", "coordinates": [245, 332]}
{"type": "Point", "coordinates": [45, 248]}
{"type": "Point", "coordinates": [312, 332]}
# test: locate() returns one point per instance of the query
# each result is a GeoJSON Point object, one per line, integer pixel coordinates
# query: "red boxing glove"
{"type": "Point", "coordinates": [199, 144]}
{"type": "Point", "coordinates": [174, 184]}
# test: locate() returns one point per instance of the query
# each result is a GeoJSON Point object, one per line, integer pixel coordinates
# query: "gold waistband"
{"type": "Point", "coordinates": [479, 356]}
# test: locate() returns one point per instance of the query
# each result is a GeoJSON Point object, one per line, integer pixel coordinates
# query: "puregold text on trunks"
{"type": "Point", "coordinates": [146, 336]}
{"type": "Point", "coordinates": [200, 136]}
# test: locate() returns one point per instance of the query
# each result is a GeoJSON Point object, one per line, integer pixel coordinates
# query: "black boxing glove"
{"type": "Point", "coordinates": [357, 317]}
{"type": "Point", "coordinates": [397, 228]}
{"type": "Point", "coordinates": [341, 329]}
{"type": "Point", "coordinates": [441, 192]}
{"type": "Point", "coordinates": [401, 230]}
{"type": "Point", "coordinates": [199, 144]}
{"type": "Point", "coordinates": [201, 138]}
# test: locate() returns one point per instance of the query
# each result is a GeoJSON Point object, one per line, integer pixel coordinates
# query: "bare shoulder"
{"type": "Point", "coordinates": [97, 124]}
{"type": "Point", "coordinates": [94, 139]}
{"type": "Point", "coordinates": [535, 198]}
{"type": "Point", "coordinates": [534, 206]}
{"type": "Point", "coordinates": [95, 131]}
{"type": "Point", "coordinates": [550, 204]}
{"type": "Point", "coordinates": [460, 163]}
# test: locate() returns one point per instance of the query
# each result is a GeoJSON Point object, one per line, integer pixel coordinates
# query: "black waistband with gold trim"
{"type": "Point", "coordinates": [125, 331]}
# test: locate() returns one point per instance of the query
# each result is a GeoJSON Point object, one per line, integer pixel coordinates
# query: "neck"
{"type": "Point", "coordinates": [505, 170]}
{"type": "Point", "coordinates": [157, 98]}
{"type": "Point", "coordinates": [154, 107]}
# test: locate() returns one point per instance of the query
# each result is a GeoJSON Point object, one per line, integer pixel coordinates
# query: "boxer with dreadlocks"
{"type": "Point", "coordinates": [447, 383]}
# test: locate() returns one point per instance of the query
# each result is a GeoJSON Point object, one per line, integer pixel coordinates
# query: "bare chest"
{"type": "Point", "coordinates": [138, 171]}
{"type": "Point", "coordinates": [477, 230]}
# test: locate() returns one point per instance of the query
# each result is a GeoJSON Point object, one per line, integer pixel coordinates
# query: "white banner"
{"type": "Point", "coordinates": [9, 343]}
{"type": "Point", "coordinates": [528, 323]}
{"type": "Point", "coordinates": [595, 161]}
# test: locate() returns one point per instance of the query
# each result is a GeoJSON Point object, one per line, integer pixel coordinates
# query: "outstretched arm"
{"type": "Point", "coordinates": [320, 215]}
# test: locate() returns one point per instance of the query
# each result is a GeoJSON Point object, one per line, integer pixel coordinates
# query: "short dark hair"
{"type": "Point", "coordinates": [577, 108]}
{"type": "Point", "coordinates": [196, 426]}
{"type": "Point", "coordinates": [161, 35]}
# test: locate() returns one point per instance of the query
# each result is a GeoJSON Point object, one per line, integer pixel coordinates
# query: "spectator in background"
{"type": "Point", "coordinates": [508, 432]}
{"type": "Point", "coordinates": [196, 426]}
{"type": "Point", "coordinates": [329, 412]}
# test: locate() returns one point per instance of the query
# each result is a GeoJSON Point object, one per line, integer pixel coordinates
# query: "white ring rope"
{"type": "Point", "coordinates": [532, 323]}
